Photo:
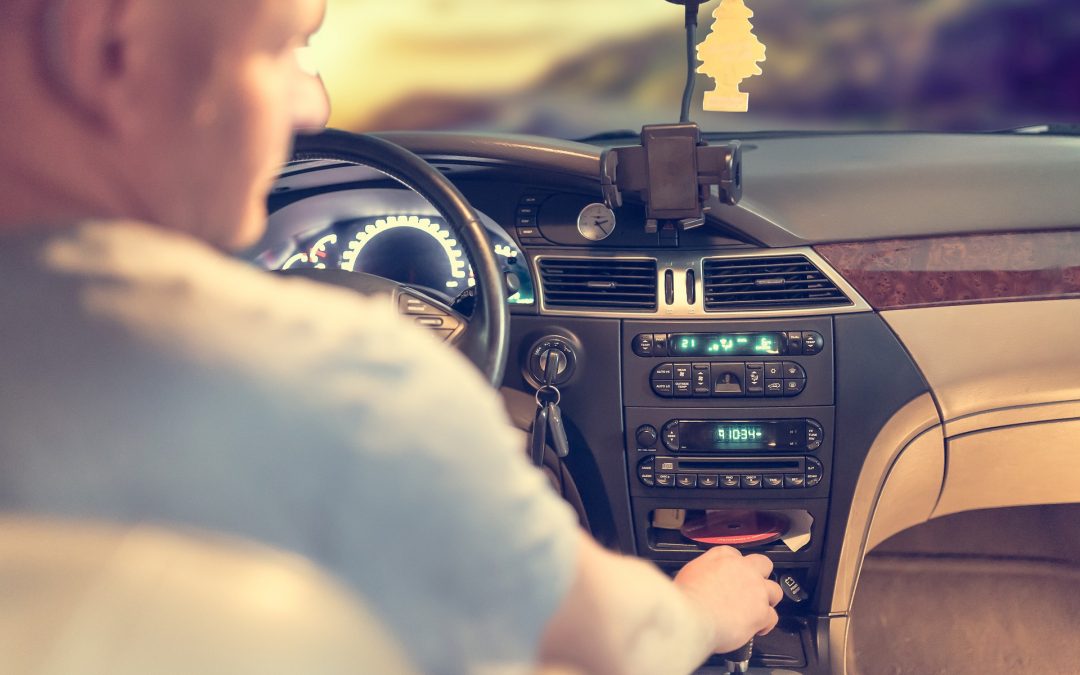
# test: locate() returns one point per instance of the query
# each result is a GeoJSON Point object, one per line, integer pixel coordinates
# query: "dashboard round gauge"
{"type": "Point", "coordinates": [318, 255]}
{"type": "Point", "coordinates": [596, 222]}
{"type": "Point", "coordinates": [411, 250]}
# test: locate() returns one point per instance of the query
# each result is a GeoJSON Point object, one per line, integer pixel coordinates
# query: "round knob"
{"type": "Point", "coordinates": [646, 436]}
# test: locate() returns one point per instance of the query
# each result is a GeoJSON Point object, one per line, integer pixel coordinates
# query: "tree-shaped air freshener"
{"type": "Point", "coordinates": [729, 55]}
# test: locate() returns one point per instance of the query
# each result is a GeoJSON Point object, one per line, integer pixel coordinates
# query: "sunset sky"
{"type": "Point", "coordinates": [374, 52]}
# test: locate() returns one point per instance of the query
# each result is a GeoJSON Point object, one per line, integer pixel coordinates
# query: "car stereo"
{"type": "Point", "coordinates": [761, 435]}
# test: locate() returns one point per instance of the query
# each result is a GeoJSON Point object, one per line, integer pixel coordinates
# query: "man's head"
{"type": "Point", "coordinates": [175, 112]}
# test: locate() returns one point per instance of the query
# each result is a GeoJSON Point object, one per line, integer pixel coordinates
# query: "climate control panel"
{"type": "Point", "coordinates": [726, 379]}
{"type": "Point", "coordinates": [729, 364]}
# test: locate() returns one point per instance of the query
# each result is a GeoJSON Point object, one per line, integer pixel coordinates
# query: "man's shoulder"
{"type": "Point", "coordinates": [180, 299]}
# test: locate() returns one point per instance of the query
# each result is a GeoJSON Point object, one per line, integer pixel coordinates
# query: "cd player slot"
{"type": "Point", "coordinates": [734, 464]}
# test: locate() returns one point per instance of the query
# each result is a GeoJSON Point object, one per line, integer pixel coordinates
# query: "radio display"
{"type": "Point", "coordinates": [741, 436]}
{"type": "Point", "coordinates": [725, 344]}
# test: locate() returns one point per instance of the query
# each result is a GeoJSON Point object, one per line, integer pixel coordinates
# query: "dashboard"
{"type": "Point", "coordinates": [388, 233]}
{"type": "Point", "coordinates": [794, 375]}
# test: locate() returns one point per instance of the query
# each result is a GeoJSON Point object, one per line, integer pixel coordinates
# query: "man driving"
{"type": "Point", "coordinates": [146, 376]}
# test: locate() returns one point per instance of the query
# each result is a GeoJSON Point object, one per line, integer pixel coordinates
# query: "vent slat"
{"type": "Point", "coordinates": [599, 284]}
{"type": "Point", "coordinates": [734, 284]}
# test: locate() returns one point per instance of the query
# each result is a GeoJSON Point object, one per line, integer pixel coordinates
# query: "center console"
{"type": "Point", "coordinates": [729, 440]}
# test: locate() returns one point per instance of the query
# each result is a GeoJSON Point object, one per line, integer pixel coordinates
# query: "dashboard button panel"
{"type": "Point", "coordinates": [724, 379]}
{"type": "Point", "coordinates": [669, 472]}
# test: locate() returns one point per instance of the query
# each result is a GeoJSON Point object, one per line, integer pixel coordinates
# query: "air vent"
{"type": "Point", "coordinates": [771, 282]}
{"type": "Point", "coordinates": [583, 283]}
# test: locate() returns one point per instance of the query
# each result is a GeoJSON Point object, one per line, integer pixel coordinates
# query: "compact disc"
{"type": "Point", "coordinates": [736, 527]}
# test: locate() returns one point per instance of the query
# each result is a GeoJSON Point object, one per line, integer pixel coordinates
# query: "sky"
{"type": "Point", "coordinates": [373, 52]}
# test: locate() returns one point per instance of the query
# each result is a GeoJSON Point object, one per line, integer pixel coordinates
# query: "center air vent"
{"type": "Point", "coordinates": [584, 283]}
{"type": "Point", "coordinates": [769, 282]}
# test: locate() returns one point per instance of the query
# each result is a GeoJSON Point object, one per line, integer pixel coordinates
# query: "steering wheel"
{"type": "Point", "coordinates": [483, 337]}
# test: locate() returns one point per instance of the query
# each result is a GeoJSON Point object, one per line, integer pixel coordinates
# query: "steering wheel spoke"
{"type": "Point", "coordinates": [484, 336]}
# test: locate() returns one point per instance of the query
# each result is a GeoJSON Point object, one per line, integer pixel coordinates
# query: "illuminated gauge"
{"type": "Point", "coordinates": [409, 250]}
{"type": "Point", "coordinates": [596, 222]}
{"type": "Point", "coordinates": [316, 257]}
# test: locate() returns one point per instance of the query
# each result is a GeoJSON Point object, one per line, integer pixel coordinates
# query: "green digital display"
{"type": "Point", "coordinates": [739, 433]}
{"type": "Point", "coordinates": [726, 344]}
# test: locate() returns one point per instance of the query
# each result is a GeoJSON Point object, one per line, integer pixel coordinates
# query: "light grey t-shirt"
{"type": "Point", "coordinates": [144, 376]}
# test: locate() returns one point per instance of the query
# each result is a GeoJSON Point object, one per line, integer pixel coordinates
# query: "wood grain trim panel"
{"type": "Point", "coordinates": [959, 270]}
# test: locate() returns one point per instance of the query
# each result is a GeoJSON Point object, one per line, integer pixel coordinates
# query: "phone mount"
{"type": "Point", "coordinates": [674, 170]}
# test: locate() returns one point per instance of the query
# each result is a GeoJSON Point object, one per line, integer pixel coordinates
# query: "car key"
{"type": "Point", "coordinates": [539, 435]}
{"type": "Point", "coordinates": [557, 430]}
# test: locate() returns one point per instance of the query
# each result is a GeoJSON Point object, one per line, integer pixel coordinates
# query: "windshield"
{"type": "Point", "coordinates": [573, 68]}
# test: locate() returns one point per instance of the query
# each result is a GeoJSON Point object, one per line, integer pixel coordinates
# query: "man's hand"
{"type": "Point", "coordinates": [734, 593]}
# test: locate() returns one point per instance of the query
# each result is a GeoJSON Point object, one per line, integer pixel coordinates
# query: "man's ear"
{"type": "Point", "coordinates": [87, 47]}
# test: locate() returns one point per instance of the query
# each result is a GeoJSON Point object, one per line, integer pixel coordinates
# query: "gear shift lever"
{"type": "Point", "coordinates": [738, 661]}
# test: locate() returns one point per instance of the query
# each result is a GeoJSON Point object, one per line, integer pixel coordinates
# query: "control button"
{"type": "Point", "coordinates": [814, 472]}
{"type": "Point", "coordinates": [527, 211]}
{"type": "Point", "coordinates": [665, 464]}
{"type": "Point", "coordinates": [708, 480]}
{"type": "Point", "coordinates": [792, 589]}
{"type": "Point", "coordinates": [683, 389]}
{"type": "Point", "coordinates": [662, 388]}
{"type": "Point", "coordinates": [429, 321]}
{"type": "Point", "coordinates": [814, 435]}
{"type": "Point", "coordinates": [671, 436]}
{"type": "Point", "coordinates": [682, 371]}
{"type": "Point", "coordinates": [774, 370]}
{"type": "Point", "coordinates": [794, 343]}
{"type": "Point", "coordinates": [774, 387]}
{"type": "Point", "coordinates": [812, 342]}
{"type": "Point", "coordinates": [646, 472]}
{"type": "Point", "coordinates": [755, 379]}
{"type": "Point", "coordinates": [730, 480]}
{"type": "Point", "coordinates": [794, 480]}
{"type": "Point", "coordinates": [772, 480]}
{"type": "Point", "coordinates": [408, 304]}
{"type": "Point", "coordinates": [646, 436]}
{"type": "Point", "coordinates": [701, 379]}
{"type": "Point", "coordinates": [660, 344]}
{"type": "Point", "coordinates": [662, 372]}
{"type": "Point", "coordinates": [530, 199]}
{"type": "Point", "coordinates": [648, 464]}
{"type": "Point", "coordinates": [793, 371]}
{"type": "Point", "coordinates": [643, 344]}
{"type": "Point", "coordinates": [525, 223]}
{"type": "Point", "coordinates": [665, 480]}
{"type": "Point", "coordinates": [751, 480]}
{"type": "Point", "coordinates": [725, 381]}
{"type": "Point", "coordinates": [686, 480]}
{"type": "Point", "coordinates": [794, 387]}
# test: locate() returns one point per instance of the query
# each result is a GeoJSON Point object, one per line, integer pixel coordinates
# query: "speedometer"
{"type": "Point", "coordinates": [318, 256]}
{"type": "Point", "coordinates": [408, 249]}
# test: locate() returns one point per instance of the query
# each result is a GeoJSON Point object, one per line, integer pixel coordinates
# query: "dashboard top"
{"type": "Point", "coordinates": [809, 189]}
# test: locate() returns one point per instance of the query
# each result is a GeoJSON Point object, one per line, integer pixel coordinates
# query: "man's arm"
{"type": "Point", "coordinates": [622, 615]}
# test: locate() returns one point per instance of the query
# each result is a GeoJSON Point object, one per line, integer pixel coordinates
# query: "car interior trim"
{"type": "Point", "coordinates": [914, 419]}
{"type": "Point", "coordinates": [1024, 342]}
{"type": "Point", "coordinates": [681, 307]}
{"type": "Point", "coordinates": [968, 269]}
{"type": "Point", "coordinates": [1012, 466]}
{"type": "Point", "coordinates": [1012, 416]}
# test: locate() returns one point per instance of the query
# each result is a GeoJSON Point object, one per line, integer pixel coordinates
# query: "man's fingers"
{"type": "Point", "coordinates": [725, 551]}
{"type": "Point", "coordinates": [761, 563]}
{"type": "Point", "coordinates": [773, 619]}
{"type": "Point", "coordinates": [776, 594]}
